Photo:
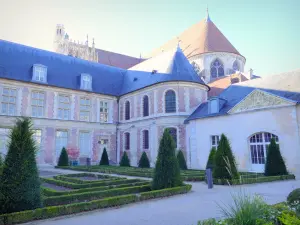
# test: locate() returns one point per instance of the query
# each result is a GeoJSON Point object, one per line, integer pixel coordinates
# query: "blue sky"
{"type": "Point", "coordinates": [266, 32]}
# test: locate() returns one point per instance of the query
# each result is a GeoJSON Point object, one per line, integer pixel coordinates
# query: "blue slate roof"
{"type": "Point", "coordinates": [16, 62]}
{"type": "Point", "coordinates": [284, 85]}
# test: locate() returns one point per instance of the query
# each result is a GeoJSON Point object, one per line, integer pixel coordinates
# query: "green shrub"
{"type": "Point", "coordinates": [79, 181]}
{"type": "Point", "coordinates": [289, 218]}
{"type": "Point", "coordinates": [275, 164]}
{"type": "Point", "coordinates": [1, 160]}
{"type": "Point", "coordinates": [63, 158]}
{"type": "Point", "coordinates": [166, 192]}
{"type": "Point", "coordinates": [181, 160]}
{"type": "Point", "coordinates": [211, 158]}
{"type": "Point", "coordinates": [125, 160]}
{"type": "Point", "coordinates": [225, 165]}
{"type": "Point", "coordinates": [104, 158]}
{"type": "Point", "coordinates": [166, 172]}
{"type": "Point", "coordinates": [144, 161]}
{"type": "Point", "coordinates": [20, 184]}
{"type": "Point", "coordinates": [293, 200]}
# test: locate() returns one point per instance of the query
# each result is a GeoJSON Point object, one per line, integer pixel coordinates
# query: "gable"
{"type": "Point", "coordinates": [259, 99]}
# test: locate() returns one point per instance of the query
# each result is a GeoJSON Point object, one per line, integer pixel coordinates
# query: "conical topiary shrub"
{"type": "Point", "coordinates": [166, 172]}
{"type": "Point", "coordinates": [20, 183]}
{"type": "Point", "coordinates": [225, 165]}
{"type": "Point", "coordinates": [63, 158]}
{"type": "Point", "coordinates": [104, 158]}
{"type": "Point", "coordinates": [144, 161]}
{"type": "Point", "coordinates": [181, 160]}
{"type": "Point", "coordinates": [211, 158]}
{"type": "Point", "coordinates": [275, 164]}
{"type": "Point", "coordinates": [125, 160]}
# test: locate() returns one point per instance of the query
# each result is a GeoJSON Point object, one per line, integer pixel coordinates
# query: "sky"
{"type": "Point", "coordinates": [266, 32]}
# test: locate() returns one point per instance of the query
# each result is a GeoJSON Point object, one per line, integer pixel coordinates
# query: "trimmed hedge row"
{"type": "Point", "coordinates": [54, 211]}
{"type": "Point", "coordinates": [88, 185]}
{"type": "Point", "coordinates": [79, 181]}
{"type": "Point", "coordinates": [254, 180]}
{"type": "Point", "coordinates": [50, 192]}
{"type": "Point", "coordinates": [89, 196]}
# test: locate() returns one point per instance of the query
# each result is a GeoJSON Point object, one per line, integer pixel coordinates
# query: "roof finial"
{"type": "Point", "coordinates": [87, 39]}
{"type": "Point", "coordinates": [207, 14]}
{"type": "Point", "coordinates": [178, 44]}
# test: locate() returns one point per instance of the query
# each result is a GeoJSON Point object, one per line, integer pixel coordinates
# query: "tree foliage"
{"type": "Point", "coordinates": [144, 161]}
{"type": "Point", "coordinates": [63, 158]}
{"type": "Point", "coordinates": [211, 158]}
{"type": "Point", "coordinates": [166, 172]}
{"type": "Point", "coordinates": [181, 160]}
{"type": "Point", "coordinates": [125, 160]}
{"type": "Point", "coordinates": [20, 183]}
{"type": "Point", "coordinates": [104, 158]}
{"type": "Point", "coordinates": [275, 164]}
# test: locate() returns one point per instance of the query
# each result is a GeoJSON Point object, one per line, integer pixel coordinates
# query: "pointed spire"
{"type": "Point", "coordinates": [178, 44]}
{"type": "Point", "coordinates": [207, 15]}
{"type": "Point", "coordinates": [93, 42]}
{"type": "Point", "coordinates": [87, 39]}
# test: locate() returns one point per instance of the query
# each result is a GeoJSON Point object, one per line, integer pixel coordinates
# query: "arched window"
{"type": "Point", "coordinates": [145, 105]}
{"type": "Point", "coordinates": [216, 69]}
{"type": "Point", "coordinates": [127, 110]}
{"type": "Point", "coordinates": [236, 66]}
{"type": "Point", "coordinates": [127, 141]}
{"type": "Point", "coordinates": [173, 133]}
{"type": "Point", "coordinates": [145, 139]}
{"type": "Point", "coordinates": [259, 143]}
{"type": "Point", "coordinates": [170, 101]}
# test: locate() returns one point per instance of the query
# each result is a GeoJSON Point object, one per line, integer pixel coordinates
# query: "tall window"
{"type": "Point", "coordinates": [215, 139]}
{"type": "Point", "coordinates": [40, 73]}
{"type": "Point", "coordinates": [235, 66]}
{"type": "Point", "coordinates": [37, 103]}
{"type": "Point", "coordinates": [145, 139]}
{"type": "Point", "coordinates": [216, 69]}
{"type": "Point", "coordinates": [64, 107]}
{"type": "Point", "coordinates": [145, 105]}
{"type": "Point", "coordinates": [127, 141]}
{"type": "Point", "coordinates": [85, 108]}
{"type": "Point", "coordinates": [258, 146]}
{"type": "Point", "coordinates": [9, 99]}
{"type": "Point", "coordinates": [170, 101]}
{"type": "Point", "coordinates": [37, 136]}
{"type": "Point", "coordinates": [61, 140]}
{"type": "Point", "coordinates": [103, 112]}
{"type": "Point", "coordinates": [173, 133]}
{"type": "Point", "coordinates": [127, 110]}
{"type": "Point", "coordinates": [85, 143]}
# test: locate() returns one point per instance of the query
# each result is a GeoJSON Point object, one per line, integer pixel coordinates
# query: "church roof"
{"type": "Point", "coordinates": [16, 63]}
{"type": "Point", "coordinates": [200, 38]}
{"type": "Point", "coordinates": [285, 85]}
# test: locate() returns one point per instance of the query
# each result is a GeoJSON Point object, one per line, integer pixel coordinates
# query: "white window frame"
{"type": "Point", "coordinates": [60, 138]}
{"type": "Point", "coordinates": [86, 81]}
{"type": "Point", "coordinates": [85, 108]}
{"type": "Point", "coordinates": [39, 73]}
{"type": "Point", "coordinates": [7, 104]}
{"type": "Point", "coordinates": [214, 141]}
{"type": "Point", "coordinates": [63, 107]}
{"type": "Point", "coordinates": [37, 136]}
{"type": "Point", "coordinates": [104, 111]}
{"type": "Point", "coordinates": [39, 100]}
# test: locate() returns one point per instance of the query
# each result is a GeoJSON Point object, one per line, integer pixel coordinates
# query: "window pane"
{"type": "Point", "coordinates": [170, 101]}
{"type": "Point", "coordinates": [145, 106]}
{"type": "Point", "coordinates": [127, 110]}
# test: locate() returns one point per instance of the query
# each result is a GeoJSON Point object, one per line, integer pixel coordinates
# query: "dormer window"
{"type": "Point", "coordinates": [213, 105]}
{"type": "Point", "coordinates": [86, 82]}
{"type": "Point", "coordinates": [39, 73]}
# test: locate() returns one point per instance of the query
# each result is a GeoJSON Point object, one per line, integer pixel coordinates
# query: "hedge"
{"type": "Point", "coordinates": [88, 185]}
{"type": "Point", "coordinates": [89, 196]}
{"type": "Point", "coordinates": [51, 192]}
{"type": "Point", "coordinates": [79, 181]}
{"type": "Point", "coordinates": [54, 211]}
{"type": "Point", "coordinates": [254, 180]}
{"type": "Point", "coordinates": [100, 176]}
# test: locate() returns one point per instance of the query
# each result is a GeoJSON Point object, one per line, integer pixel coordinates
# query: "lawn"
{"type": "Point", "coordinates": [74, 193]}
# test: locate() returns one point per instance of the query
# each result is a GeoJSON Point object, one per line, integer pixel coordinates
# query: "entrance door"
{"type": "Point", "coordinates": [85, 144]}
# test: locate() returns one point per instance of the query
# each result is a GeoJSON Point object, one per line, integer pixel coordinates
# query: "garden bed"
{"type": "Point", "coordinates": [55, 187]}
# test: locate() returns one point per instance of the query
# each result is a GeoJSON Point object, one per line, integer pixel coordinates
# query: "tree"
{"type": "Point", "coordinates": [1, 160]}
{"type": "Point", "coordinates": [20, 183]}
{"type": "Point", "coordinates": [144, 161]}
{"type": "Point", "coordinates": [104, 158]}
{"type": "Point", "coordinates": [125, 160]}
{"type": "Point", "coordinates": [166, 172]}
{"type": "Point", "coordinates": [63, 158]}
{"type": "Point", "coordinates": [275, 164]}
{"type": "Point", "coordinates": [211, 158]}
{"type": "Point", "coordinates": [225, 165]}
{"type": "Point", "coordinates": [181, 160]}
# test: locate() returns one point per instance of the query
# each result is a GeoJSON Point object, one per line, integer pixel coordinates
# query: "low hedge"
{"type": "Point", "coordinates": [79, 181]}
{"type": "Point", "coordinates": [55, 211]}
{"type": "Point", "coordinates": [88, 185]}
{"type": "Point", "coordinates": [253, 180]}
{"type": "Point", "coordinates": [89, 196]}
{"type": "Point", "coordinates": [50, 192]}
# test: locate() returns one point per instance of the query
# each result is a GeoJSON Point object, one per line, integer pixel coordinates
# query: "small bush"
{"type": "Point", "coordinates": [125, 160]}
{"type": "Point", "coordinates": [104, 158]}
{"type": "Point", "coordinates": [275, 164]}
{"type": "Point", "coordinates": [181, 160]}
{"type": "Point", "coordinates": [63, 158]}
{"type": "Point", "coordinates": [211, 158]}
{"type": "Point", "coordinates": [144, 161]}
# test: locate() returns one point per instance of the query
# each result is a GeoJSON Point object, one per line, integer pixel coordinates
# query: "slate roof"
{"type": "Point", "coordinates": [16, 63]}
{"type": "Point", "coordinates": [284, 85]}
{"type": "Point", "coordinates": [200, 38]}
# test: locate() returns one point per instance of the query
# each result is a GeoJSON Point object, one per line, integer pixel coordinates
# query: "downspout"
{"type": "Point", "coordinates": [117, 124]}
